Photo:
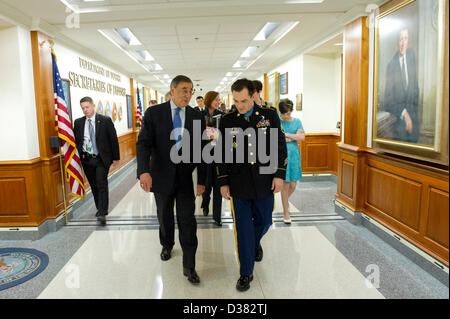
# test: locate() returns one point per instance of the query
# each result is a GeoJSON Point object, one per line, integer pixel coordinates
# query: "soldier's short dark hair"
{"type": "Point", "coordinates": [199, 97]}
{"type": "Point", "coordinates": [285, 106]}
{"type": "Point", "coordinates": [241, 84]}
{"type": "Point", "coordinates": [258, 85]}
{"type": "Point", "coordinates": [87, 99]}
{"type": "Point", "coordinates": [180, 78]}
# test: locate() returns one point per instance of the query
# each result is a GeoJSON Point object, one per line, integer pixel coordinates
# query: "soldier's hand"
{"type": "Point", "coordinates": [146, 181]}
{"type": "Point", "coordinates": [225, 191]}
{"type": "Point", "coordinates": [277, 185]}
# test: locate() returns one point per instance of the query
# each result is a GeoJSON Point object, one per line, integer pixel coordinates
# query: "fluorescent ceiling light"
{"type": "Point", "coordinates": [145, 55]}
{"type": "Point", "coordinates": [166, 76]}
{"type": "Point", "coordinates": [266, 31]}
{"type": "Point", "coordinates": [229, 74]}
{"type": "Point", "coordinates": [120, 47]}
{"type": "Point", "coordinates": [158, 67]}
{"type": "Point", "coordinates": [128, 36]}
{"type": "Point", "coordinates": [248, 52]}
{"type": "Point", "coordinates": [237, 64]}
{"type": "Point", "coordinates": [339, 44]}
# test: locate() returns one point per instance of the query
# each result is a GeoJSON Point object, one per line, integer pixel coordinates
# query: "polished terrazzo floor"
{"type": "Point", "coordinates": [320, 255]}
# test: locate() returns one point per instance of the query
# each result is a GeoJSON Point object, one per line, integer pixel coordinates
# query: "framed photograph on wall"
{"type": "Point", "coordinates": [411, 80]}
{"type": "Point", "coordinates": [284, 83]}
{"type": "Point", "coordinates": [129, 112]}
{"type": "Point", "coordinates": [274, 92]}
{"type": "Point", "coordinates": [66, 90]}
{"type": "Point", "coordinates": [298, 101]}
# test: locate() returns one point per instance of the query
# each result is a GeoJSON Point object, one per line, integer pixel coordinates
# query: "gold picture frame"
{"type": "Point", "coordinates": [299, 102]}
{"type": "Point", "coordinates": [410, 100]}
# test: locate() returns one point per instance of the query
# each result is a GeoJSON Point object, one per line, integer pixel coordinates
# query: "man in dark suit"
{"type": "Point", "coordinates": [168, 130]}
{"type": "Point", "coordinates": [200, 104]}
{"type": "Point", "coordinates": [402, 91]}
{"type": "Point", "coordinates": [250, 183]}
{"type": "Point", "coordinates": [97, 142]}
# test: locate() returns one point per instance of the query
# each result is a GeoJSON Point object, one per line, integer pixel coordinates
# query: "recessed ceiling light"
{"type": "Point", "coordinates": [266, 31]}
{"type": "Point", "coordinates": [146, 55]}
{"type": "Point", "coordinates": [128, 36]}
{"type": "Point", "coordinates": [248, 52]}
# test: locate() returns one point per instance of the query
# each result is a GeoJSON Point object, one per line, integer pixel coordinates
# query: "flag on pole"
{"type": "Point", "coordinates": [138, 110]}
{"type": "Point", "coordinates": [72, 163]}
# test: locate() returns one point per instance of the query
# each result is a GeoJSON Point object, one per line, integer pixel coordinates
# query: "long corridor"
{"type": "Point", "coordinates": [320, 255]}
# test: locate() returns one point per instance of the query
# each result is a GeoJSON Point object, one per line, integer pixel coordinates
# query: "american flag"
{"type": "Point", "coordinates": [138, 110]}
{"type": "Point", "coordinates": [72, 164]}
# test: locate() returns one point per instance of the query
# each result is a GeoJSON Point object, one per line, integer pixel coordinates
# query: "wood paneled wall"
{"type": "Point", "coordinates": [319, 153]}
{"type": "Point", "coordinates": [31, 190]}
{"type": "Point", "coordinates": [356, 82]}
{"type": "Point", "coordinates": [23, 199]}
{"type": "Point", "coordinates": [408, 198]}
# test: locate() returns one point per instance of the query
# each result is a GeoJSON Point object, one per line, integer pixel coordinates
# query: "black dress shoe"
{"type": "Point", "coordinates": [219, 224]}
{"type": "Point", "coordinates": [165, 254]}
{"type": "Point", "coordinates": [244, 282]}
{"type": "Point", "coordinates": [191, 275]}
{"type": "Point", "coordinates": [102, 220]}
{"type": "Point", "coordinates": [259, 253]}
{"type": "Point", "coordinates": [205, 212]}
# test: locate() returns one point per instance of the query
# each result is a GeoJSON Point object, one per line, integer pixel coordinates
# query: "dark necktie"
{"type": "Point", "coordinates": [177, 126]}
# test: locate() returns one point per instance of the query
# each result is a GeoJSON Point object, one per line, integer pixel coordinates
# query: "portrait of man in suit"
{"type": "Point", "coordinates": [402, 91]}
{"type": "Point", "coordinates": [98, 146]}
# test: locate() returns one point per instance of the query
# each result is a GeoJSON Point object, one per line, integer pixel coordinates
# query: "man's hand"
{"type": "Point", "coordinates": [200, 189]}
{"type": "Point", "coordinates": [116, 163]}
{"type": "Point", "coordinates": [146, 181]}
{"type": "Point", "coordinates": [225, 191]}
{"type": "Point", "coordinates": [277, 185]}
{"type": "Point", "coordinates": [408, 122]}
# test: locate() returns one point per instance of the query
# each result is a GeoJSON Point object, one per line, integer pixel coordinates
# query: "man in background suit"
{"type": "Point", "coordinates": [200, 104]}
{"type": "Point", "coordinates": [169, 181]}
{"type": "Point", "coordinates": [402, 91]}
{"type": "Point", "coordinates": [96, 140]}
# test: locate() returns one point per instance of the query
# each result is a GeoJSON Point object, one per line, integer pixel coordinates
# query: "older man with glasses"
{"type": "Point", "coordinates": [165, 127]}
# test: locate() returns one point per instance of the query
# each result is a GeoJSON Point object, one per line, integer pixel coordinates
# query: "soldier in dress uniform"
{"type": "Point", "coordinates": [248, 179]}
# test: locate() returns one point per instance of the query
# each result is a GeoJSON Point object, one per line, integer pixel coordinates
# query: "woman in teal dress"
{"type": "Point", "coordinates": [293, 129]}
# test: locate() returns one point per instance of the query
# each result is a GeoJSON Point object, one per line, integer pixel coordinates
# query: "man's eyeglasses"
{"type": "Point", "coordinates": [186, 91]}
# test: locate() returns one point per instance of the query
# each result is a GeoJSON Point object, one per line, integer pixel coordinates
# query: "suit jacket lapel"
{"type": "Point", "coordinates": [169, 122]}
{"type": "Point", "coordinates": [188, 120]}
{"type": "Point", "coordinates": [97, 125]}
{"type": "Point", "coordinates": [82, 127]}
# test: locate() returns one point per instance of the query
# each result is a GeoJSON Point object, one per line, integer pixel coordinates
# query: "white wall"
{"type": "Point", "coordinates": [18, 125]}
{"type": "Point", "coordinates": [319, 80]}
{"type": "Point", "coordinates": [294, 67]}
{"type": "Point", "coordinates": [68, 61]}
{"type": "Point", "coordinates": [321, 94]}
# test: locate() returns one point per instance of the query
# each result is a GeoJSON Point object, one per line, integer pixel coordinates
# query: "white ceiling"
{"type": "Point", "coordinates": [199, 38]}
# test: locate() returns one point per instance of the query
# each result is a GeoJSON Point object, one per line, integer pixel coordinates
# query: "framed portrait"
{"type": "Point", "coordinates": [274, 91]}
{"type": "Point", "coordinates": [299, 101]}
{"type": "Point", "coordinates": [284, 83]}
{"type": "Point", "coordinates": [411, 80]}
{"type": "Point", "coordinates": [66, 89]}
{"type": "Point", "coordinates": [129, 112]}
